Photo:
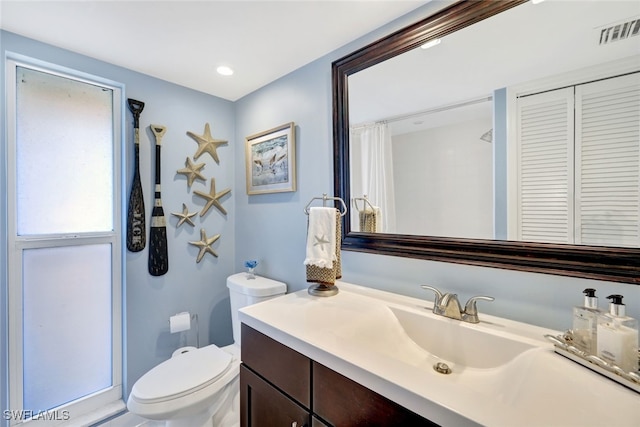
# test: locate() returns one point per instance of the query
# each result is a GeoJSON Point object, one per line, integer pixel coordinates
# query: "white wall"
{"type": "Point", "coordinates": [443, 181]}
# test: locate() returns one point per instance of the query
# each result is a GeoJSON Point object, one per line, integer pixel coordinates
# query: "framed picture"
{"type": "Point", "coordinates": [271, 160]}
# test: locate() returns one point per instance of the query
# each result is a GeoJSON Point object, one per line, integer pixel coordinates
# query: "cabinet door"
{"type": "Point", "coordinates": [262, 405]}
{"type": "Point", "coordinates": [545, 162]}
{"type": "Point", "coordinates": [344, 403]}
{"type": "Point", "coordinates": [316, 422]}
{"type": "Point", "coordinates": [608, 162]}
{"type": "Point", "coordinates": [283, 367]}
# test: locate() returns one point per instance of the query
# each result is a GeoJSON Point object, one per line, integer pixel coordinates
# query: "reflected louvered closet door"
{"type": "Point", "coordinates": [608, 162]}
{"type": "Point", "coordinates": [545, 167]}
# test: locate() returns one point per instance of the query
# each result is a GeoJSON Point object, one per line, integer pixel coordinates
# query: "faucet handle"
{"type": "Point", "coordinates": [471, 310]}
{"type": "Point", "coordinates": [431, 288]}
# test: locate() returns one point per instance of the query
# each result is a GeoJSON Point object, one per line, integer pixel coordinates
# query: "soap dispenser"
{"type": "Point", "coordinates": [618, 336]}
{"type": "Point", "coordinates": [585, 323]}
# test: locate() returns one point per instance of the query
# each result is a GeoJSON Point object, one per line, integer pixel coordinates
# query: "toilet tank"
{"type": "Point", "coordinates": [244, 291]}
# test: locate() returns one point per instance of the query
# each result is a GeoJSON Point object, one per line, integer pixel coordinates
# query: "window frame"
{"type": "Point", "coordinates": [109, 401]}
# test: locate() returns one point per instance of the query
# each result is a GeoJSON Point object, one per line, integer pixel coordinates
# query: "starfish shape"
{"type": "Point", "coordinates": [212, 198]}
{"type": "Point", "coordinates": [192, 171]}
{"type": "Point", "coordinates": [185, 216]}
{"type": "Point", "coordinates": [207, 144]}
{"type": "Point", "coordinates": [320, 240]}
{"type": "Point", "coordinates": [205, 244]}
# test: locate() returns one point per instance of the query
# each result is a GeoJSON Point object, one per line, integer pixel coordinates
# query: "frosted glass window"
{"type": "Point", "coordinates": [65, 242]}
{"type": "Point", "coordinates": [64, 155]}
{"type": "Point", "coordinates": [67, 324]}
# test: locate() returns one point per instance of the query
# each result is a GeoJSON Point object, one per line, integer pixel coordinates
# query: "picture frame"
{"type": "Point", "coordinates": [271, 160]}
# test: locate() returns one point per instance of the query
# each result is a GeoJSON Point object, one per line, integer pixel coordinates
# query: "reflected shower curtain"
{"type": "Point", "coordinates": [372, 172]}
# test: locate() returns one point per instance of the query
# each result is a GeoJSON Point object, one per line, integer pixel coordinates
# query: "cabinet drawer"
{"type": "Point", "coordinates": [343, 402]}
{"type": "Point", "coordinates": [263, 405]}
{"type": "Point", "coordinates": [285, 368]}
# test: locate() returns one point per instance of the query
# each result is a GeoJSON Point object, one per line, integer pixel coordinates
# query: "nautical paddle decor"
{"type": "Point", "coordinates": [158, 250]}
{"type": "Point", "coordinates": [136, 232]}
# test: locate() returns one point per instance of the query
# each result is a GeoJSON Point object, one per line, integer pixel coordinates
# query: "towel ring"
{"type": "Point", "coordinates": [365, 202]}
{"type": "Point", "coordinates": [324, 199]}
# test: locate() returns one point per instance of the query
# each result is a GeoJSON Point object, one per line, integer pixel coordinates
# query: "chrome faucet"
{"type": "Point", "coordinates": [447, 305]}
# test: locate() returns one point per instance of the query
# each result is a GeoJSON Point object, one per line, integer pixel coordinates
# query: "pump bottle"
{"type": "Point", "coordinates": [617, 336]}
{"type": "Point", "coordinates": [585, 323]}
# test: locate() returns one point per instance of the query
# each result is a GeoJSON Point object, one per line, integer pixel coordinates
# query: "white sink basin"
{"type": "Point", "coordinates": [459, 344]}
{"type": "Point", "coordinates": [414, 335]}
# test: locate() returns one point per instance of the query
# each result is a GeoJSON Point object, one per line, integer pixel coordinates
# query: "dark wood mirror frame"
{"type": "Point", "coordinates": [593, 262]}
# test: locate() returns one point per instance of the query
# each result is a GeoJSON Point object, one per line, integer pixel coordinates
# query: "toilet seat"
{"type": "Point", "coordinates": [182, 375]}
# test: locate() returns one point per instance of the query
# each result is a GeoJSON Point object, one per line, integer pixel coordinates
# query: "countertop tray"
{"type": "Point", "coordinates": [563, 346]}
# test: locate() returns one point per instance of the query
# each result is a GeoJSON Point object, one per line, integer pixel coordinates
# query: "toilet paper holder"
{"type": "Point", "coordinates": [181, 322]}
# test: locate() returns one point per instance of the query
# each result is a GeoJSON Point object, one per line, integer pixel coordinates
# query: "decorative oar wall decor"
{"type": "Point", "coordinates": [136, 227]}
{"type": "Point", "coordinates": [158, 249]}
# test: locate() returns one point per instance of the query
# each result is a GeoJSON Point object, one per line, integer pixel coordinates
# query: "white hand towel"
{"type": "Point", "coordinates": [321, 237]}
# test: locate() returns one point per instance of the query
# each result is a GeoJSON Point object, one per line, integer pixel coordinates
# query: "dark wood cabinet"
{"type": "Point", "coordinates": [344, 402]}
{"type": "Point", "coordinates": [281, 387]}
{"type": "Point", "coordinates": [261, 404]}
{"type": "Point", "coordinates": [283, 367]}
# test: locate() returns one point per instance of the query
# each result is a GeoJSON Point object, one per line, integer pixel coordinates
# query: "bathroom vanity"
{"type": "Point", "coordinates": [279, 386]}
{"type": "Point", "coordinates": [368, 357]}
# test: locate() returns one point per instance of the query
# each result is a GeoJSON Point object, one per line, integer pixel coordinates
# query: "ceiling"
{"type": "Point", "coordinates": [524, 44]}
{"type": "Point", "coordinates": [185, 41]}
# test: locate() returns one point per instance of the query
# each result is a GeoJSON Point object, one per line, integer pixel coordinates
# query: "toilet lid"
{"type": "Point", "coordinates": [182, 374]}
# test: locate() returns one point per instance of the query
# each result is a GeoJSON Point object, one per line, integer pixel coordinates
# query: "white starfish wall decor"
{"type": "Point", "coordinates": [185, 216]}
{"type": "Point", "coordinates": [212, 198]}
{"type": "Point", "coordinates": [207, 144]}
{"type": "Point", "coordinates": [192, 171]}
{"type": "Point", "coordinates": [205, 245]}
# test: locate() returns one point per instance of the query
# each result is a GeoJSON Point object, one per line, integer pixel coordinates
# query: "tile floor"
{"type": "Point", "coordinates": [126, 420]}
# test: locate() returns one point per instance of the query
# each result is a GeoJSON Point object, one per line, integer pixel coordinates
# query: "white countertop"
{"type": "Point", "coordinates": [355, 334]}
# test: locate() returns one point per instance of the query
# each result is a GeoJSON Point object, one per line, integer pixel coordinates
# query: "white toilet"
{"type": "Point", "coordinates": [200, 387]}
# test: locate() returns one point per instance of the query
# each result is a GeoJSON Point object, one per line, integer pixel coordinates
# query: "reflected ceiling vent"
{"type": "Point", "coordinates": [621, 31]}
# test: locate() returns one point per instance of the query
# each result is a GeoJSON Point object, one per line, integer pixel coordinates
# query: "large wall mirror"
{"type": "Point", "coordinates": [497, 133]}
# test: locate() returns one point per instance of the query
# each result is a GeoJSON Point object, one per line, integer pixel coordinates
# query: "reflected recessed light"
{"type": "Point", "coordinates": [224, 70]}
{"type": "Point", "coordinates": [431, 43]}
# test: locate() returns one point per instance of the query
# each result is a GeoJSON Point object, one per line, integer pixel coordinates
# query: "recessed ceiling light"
{"type": "Point", "coordinates": [536, 1]}
{"type": "Point", "coordinates": [224, 70]}
{"type": "Point", "coordinates": [431, 43]}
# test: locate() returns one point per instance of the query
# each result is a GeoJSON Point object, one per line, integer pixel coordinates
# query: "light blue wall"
{"type": "Point", "coordinates": [500, 163]}
{"type": "Point", "coordinates": [273, 227]}
{"type": "Point", "coordinates": [198, 288]}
